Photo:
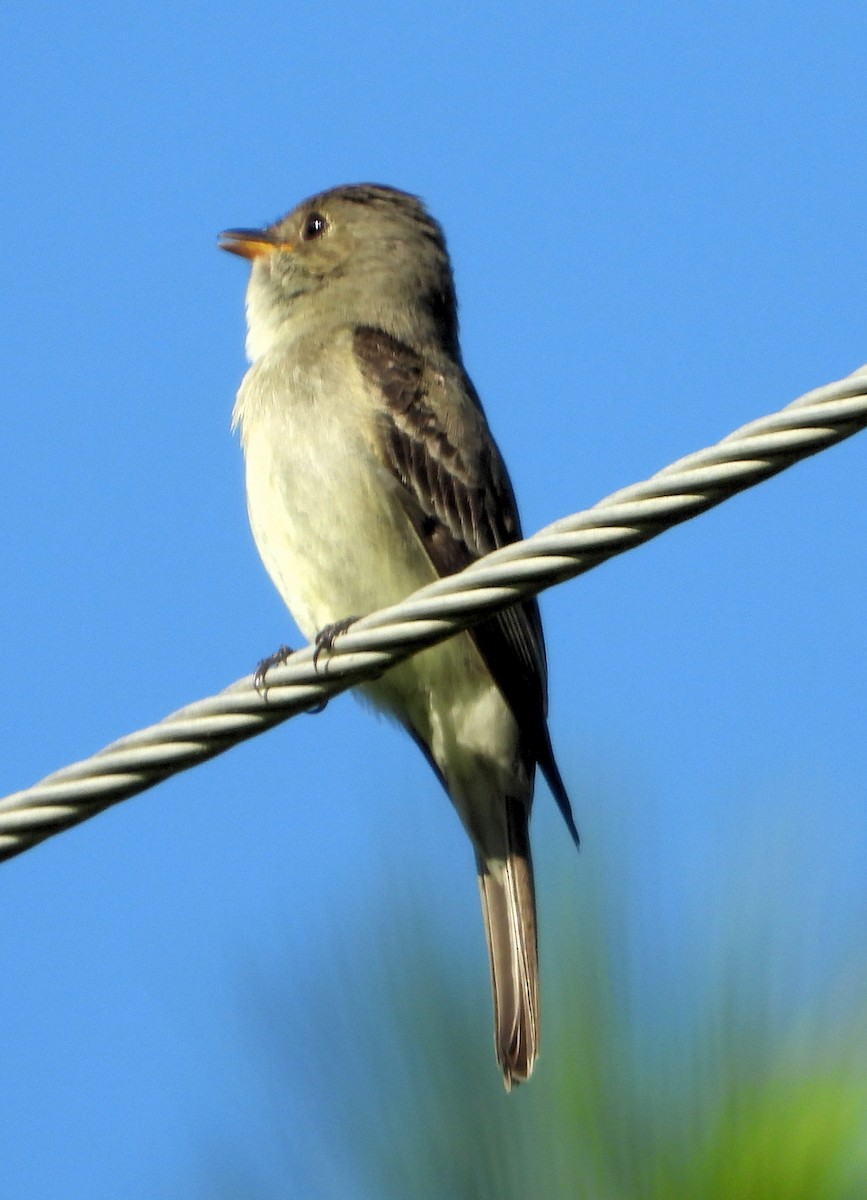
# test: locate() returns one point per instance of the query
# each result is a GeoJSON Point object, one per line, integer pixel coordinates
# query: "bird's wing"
{"type": "Point", "coordinates": [455, 489]}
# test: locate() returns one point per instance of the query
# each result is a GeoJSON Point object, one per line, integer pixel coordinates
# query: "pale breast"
{"type": "Point", "coordinates": [323, 509]}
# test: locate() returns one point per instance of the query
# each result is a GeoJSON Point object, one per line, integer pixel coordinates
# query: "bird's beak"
{"type": "Point", "coordinates": [251, 243]}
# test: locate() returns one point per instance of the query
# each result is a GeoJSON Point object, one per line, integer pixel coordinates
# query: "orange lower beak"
{"type": "Point", "coordinates": [250, 243]}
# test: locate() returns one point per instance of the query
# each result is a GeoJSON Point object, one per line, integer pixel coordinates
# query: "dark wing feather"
{"type": "Point", "coordinates": [457, 494]}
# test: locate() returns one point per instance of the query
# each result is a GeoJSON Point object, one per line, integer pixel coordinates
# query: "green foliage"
{"type": "Point", "coordinates": [652, 1085]}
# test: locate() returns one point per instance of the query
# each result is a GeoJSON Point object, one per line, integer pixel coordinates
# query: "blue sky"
{"type": "Point", "coordinates": [657, 227]}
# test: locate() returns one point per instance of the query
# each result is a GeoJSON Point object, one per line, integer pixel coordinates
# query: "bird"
{"type": "Point", "coordinates": [370, 471]}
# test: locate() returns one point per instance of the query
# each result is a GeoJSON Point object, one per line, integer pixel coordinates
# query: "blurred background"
{"type": "Point", "coordinates": [267, 977]}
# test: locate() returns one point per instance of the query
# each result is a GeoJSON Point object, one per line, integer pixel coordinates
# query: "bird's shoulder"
{"type": "Point", "coordinates": [436, 440]}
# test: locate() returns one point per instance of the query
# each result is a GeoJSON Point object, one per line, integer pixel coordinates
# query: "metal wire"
{"type": "Point", "coordinates": [561, 551]}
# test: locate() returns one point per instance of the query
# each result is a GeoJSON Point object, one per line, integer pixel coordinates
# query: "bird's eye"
{"type": "Point", "coordinates": [313, 227]}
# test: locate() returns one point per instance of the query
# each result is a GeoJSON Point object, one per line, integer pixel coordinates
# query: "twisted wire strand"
{"type": "Point", "coordinates": [567, 548]}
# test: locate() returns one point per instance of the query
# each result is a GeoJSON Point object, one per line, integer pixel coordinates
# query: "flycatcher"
{"type": "Point", "coordinates": [371, 471]}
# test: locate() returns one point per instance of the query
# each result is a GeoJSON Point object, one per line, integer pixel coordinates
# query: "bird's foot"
{"type": "Point", "coordinates": [278, 659]}
{"type": "Point", "coordinates": [327, 636]}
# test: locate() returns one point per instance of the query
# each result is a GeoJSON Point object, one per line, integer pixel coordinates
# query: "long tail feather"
{"type": "Point", "coordinates": [509, 907]}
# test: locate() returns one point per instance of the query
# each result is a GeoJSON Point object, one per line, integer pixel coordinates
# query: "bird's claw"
{"type": "Point", "coordinates": [327, 636]}
{"type": "Point", "coordinates": [278, 659]}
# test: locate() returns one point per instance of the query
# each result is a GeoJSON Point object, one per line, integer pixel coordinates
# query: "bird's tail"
{"type": "Point", "coordinates": [509, 907]}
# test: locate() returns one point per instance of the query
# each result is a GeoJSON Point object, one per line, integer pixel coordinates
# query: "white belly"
{"type": "Point", "coordinates": [335, 540]}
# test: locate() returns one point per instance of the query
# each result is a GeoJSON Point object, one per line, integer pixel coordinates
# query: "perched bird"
{"type": "Point", "coordinates": [371, 471]}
